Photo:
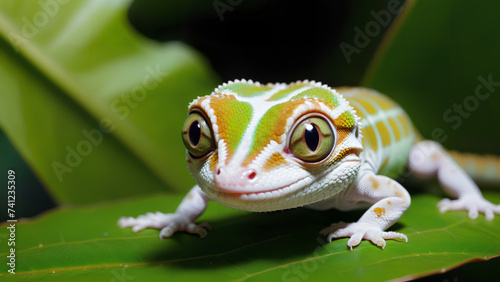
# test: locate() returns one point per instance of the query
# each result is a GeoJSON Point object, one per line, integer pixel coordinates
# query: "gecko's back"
{"type": "Point", "coordinates": [388, 133]}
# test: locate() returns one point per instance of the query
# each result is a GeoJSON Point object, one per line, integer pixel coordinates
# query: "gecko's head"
{"type": "Point", "coordinates": [270, 147]}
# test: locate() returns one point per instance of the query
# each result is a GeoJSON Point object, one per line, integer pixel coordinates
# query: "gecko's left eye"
{"type": "Point", "coordinates": [197, 135]}
{"type": "Point", "coordinates": [312, 140]}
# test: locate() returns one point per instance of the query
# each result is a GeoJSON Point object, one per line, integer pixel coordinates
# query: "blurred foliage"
{"type": "Point", "coordinates": [93, 107]}
{"type": "Point", "coordinates": [437, 68]}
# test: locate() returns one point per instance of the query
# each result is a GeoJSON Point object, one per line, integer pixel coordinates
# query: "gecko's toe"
{"type": "Point", "coordinates": [358, 231]}
{"type": "Point", "coordinates": [474, 205]}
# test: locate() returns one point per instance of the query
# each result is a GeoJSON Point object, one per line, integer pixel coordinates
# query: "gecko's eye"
{"type": "Point", "coordinates": [197, 135]}
{"type": "Point", "coordinates": [312, 140]}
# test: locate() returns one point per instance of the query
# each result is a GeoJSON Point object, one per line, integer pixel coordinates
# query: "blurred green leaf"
{"type": "Point", "coordinates": [85, 243]}
{"type": "Point", "coordinates": [71, 70]}
{"type": "Point", "coordinates": [432, 61]}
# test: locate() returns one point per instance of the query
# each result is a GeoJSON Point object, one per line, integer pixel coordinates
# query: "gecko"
{"type": "Point", "coordinates": [267, 147]}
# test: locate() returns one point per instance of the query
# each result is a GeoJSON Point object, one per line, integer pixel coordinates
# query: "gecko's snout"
{"type": "Point", "coordinates": [233, 178]}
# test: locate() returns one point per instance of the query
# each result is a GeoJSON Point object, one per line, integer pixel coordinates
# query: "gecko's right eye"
{"type": "Point", "coordinates": [197, 135]}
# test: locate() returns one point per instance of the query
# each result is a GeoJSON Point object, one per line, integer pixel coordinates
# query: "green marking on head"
{"type": "Point", "coordinates": [265, 131]}
{"type": "Point", "coordinates": [233, 117]}
{"type": "Point", "coordinates": [270, 127]}
{"type": "Point", "coordinates": [285, 92]}
{"type": "Point", "coordinates": [346, 119]}
{"type": "Point", "coordinates": [246, 89]}
{"type": "Point", "coordinates": [325, 95]}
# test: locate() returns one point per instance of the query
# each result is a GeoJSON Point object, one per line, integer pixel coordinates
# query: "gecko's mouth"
{"type": "Point", "coordinates": [274, 193]}
{"type": "Point", "coordinates": [263, 195]}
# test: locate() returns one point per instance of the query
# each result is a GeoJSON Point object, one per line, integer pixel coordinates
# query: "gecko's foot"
{"type": "Point", "coordinates": [169, 223]}
{"type": "Point", "coordinates": [474, 204]}
{"type": "Point", "coordinates": [358, 231]}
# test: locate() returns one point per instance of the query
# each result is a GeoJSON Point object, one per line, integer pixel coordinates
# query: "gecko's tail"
{"type": "Point", "coordinates": [484, 169]}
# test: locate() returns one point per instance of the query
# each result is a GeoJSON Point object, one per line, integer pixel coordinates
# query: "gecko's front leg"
{"type": "Point", "coordinates": [390, 200]}
{"type": "Point", "coordinates": [191, 207]}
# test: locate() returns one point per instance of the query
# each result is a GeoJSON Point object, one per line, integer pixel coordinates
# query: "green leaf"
{"type": "Point", "coordinates": [85, 243]}
{"type": "Point", "coordinates": [433, 60]}
{"type": "Point", "coordinates": [94, 108]}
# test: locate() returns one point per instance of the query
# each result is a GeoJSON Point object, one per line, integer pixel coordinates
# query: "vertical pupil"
{"type": "Point", "coordinates": [312, 137]}
{"type": "Point", "coordinates": [194, 133]}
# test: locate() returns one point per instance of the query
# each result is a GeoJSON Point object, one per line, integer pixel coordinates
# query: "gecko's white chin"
{"type": "Point", "coordinates": [260, 201]}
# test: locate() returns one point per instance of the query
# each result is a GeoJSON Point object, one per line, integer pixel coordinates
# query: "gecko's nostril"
{"type": "Point", "coordinates": [218, 171]}
{"type": "Point", "coordinates": [252, 175]}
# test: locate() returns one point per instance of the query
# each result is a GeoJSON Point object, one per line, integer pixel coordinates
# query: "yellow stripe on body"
{"type": "Point", "coordinates": [395, 129]}
{"type": "Point", "coordinates": [387, 131]}
{"type": "Point", "coordinates": [386, 135]}
{"type": "Point", "coordinates": [484, 169]}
